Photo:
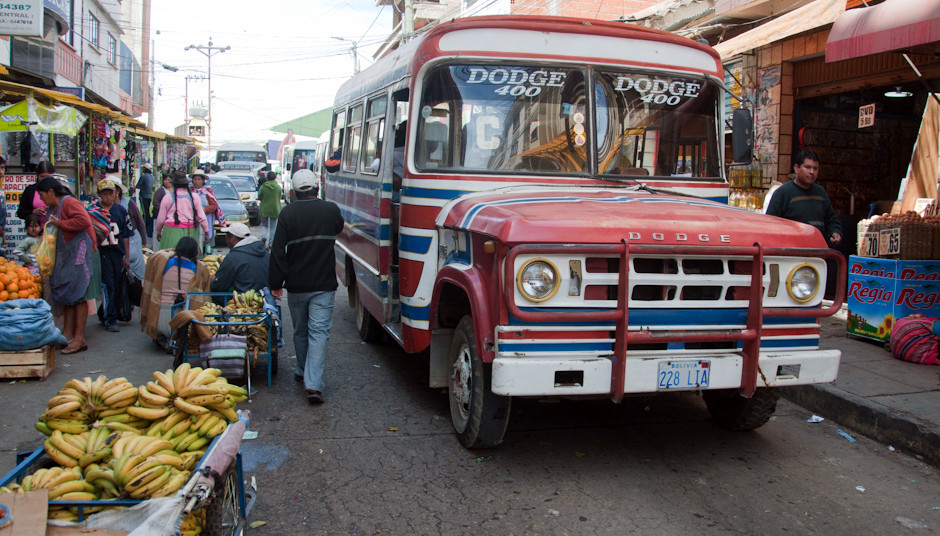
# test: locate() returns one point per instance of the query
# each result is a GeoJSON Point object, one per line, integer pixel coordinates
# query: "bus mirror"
{"type": "Point", "coordinates": [742, 135]}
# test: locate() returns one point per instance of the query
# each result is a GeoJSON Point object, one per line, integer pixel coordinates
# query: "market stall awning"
{"type": "Point", "coordinates": [891, 25]}
{"type": "Point", "coordinates": [809, 17]}
{"type": "Point", "coordinates": [56, 119]}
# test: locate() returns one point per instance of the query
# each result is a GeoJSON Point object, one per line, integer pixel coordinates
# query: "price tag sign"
{"type": "Point", "coordinates": [868, 245]}
{"type": "Point", "coordinates": [866, 116]}
{"type": "Point", "coordinates": [889, 241]}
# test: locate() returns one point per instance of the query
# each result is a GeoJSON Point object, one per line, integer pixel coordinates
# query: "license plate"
{"type": "Point", "coordinates": [690, 374]}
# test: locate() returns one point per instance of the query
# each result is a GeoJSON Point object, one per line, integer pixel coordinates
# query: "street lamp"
{"type": "Point", "coordinates": [208, 51]}
{"type": "Point", "coordinates": [352, 50]}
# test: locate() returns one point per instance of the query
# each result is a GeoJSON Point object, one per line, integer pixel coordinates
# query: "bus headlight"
{"type": "Point", "coordinates": [803, 283]}
{"type": "Point", "coordinates": [537, 280]}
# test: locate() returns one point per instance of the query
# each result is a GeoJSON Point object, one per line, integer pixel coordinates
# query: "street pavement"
{"type": "Point", "coordinates": [890, 401]}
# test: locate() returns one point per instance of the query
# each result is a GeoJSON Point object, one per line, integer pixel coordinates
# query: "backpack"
{"type": "Point", "coordinates": [101, 221]}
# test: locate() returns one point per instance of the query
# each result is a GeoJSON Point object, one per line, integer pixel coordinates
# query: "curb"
{"type": "Point", "coordinates": [872, 420]}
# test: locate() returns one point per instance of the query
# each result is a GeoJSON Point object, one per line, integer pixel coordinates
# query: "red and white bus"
{"type": "Point", "coordinates": [541, 203]}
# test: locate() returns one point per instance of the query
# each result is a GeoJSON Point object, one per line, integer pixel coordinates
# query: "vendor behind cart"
{"type": "Point", "coordinates": [246, 265]}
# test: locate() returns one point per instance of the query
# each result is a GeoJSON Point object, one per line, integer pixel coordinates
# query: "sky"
{"type": "Point", "coordinates": [283, 62]}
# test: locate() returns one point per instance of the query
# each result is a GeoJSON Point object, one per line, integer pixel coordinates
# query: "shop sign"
{"type": "Point", "coordinates": [866, 116]}
{"type": "Point", "coordinates": [13, 186]}
{"type": "Point", "coordinates": [21, 18]}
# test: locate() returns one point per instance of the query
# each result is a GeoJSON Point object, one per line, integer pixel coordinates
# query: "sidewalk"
{"type": "Point", "coordinates": [891, 401]}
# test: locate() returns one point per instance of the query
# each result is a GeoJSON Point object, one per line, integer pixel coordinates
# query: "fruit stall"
{"type": "Point", "coordinates": [159, 458]}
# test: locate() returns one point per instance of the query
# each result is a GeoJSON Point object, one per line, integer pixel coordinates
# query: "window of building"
{"type": "Point", "coordinates": [112, 50]}
{"type": "Point", "coordinates": [94, 28]}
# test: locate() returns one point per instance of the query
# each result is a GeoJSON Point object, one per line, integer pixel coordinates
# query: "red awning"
{"type": "Point", "coordinates": [891, 25]}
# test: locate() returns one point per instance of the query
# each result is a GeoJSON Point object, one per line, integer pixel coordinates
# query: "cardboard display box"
{"type": "Point", "coordinates": [882, 290]}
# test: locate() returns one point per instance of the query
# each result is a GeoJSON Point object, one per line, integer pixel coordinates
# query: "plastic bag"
{"type": "Point", "coordinates": [45, 255]}
{"type": "Point", "coordinates": [122, 298]}
{"type": "Point", "coordinates": [26, 324]}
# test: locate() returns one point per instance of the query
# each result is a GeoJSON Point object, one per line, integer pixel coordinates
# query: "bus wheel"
{"type": "Point", "coordinates": [479, 416]}
{"type": "Point", "coordinates": [369, 328]}
{"type": "Point", "coordinates": [732, 411]}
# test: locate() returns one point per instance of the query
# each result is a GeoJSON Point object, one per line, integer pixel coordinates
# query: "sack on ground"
{"type": "Point", "coordinates": [914, 339]}
{"type": "Point", "coordinates": [27, 324]}
{"type": "Point", "coordinates": [45, 255]}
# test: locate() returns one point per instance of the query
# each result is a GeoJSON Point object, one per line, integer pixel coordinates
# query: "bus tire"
{"type": "Point", "coordinates": [732, 411]}
{"type": "Point", "coordinates": [479, 416]}
{"type": "Point", "coordinates": [369, 328]}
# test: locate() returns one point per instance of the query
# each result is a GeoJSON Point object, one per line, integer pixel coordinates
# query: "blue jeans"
{"type": "Point", "coordinates": [312, 314]}
{"type": "Point", "coordinates": [268, 226]}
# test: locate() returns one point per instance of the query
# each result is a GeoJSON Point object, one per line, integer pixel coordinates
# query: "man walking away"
{"type": "Point", "coordinates": [144, 189]}
{"type": "Point", "coordinates": [303, 262]}
{"type": "Point", "coordinates": [246, 266]}
{"type": "Point", "coordinates": [269, 196]}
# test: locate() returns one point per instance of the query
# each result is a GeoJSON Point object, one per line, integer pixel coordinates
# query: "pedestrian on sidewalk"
{"type": "Point", "coordinates": [269, 196]}
{"type": "Point", "coordinates": [210, 205]}
{"type": "Point", "coordinates": [114, 251]}
{"type": "Point", "coordinates": [144, 189]}
{"type": "Point", "coordinates": [805, 201]}
{"type": "Point", "coordinates": [30, 202]}
{"type": "Point", "coordinates": [180, 215]}
{"type": "Point", "coordinates": [76, 277]}
{"type": "Point", "coordinates": [303, 262]}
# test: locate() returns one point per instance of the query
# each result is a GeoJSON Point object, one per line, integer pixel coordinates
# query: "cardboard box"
{"type": "Point", "coordinates": [882, 290]}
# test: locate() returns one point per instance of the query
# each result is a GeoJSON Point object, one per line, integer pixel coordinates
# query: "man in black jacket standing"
{"type": "Point", "coordinates": [303, 262]}
{"type": "Point", "coordinates": [246, 265]}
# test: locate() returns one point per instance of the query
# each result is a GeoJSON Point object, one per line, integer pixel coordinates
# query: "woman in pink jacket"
{"type": "Point", "coordinates": [180, 213]}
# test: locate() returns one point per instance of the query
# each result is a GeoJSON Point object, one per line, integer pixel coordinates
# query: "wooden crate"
{"type": "Point", "coordinates": [27, 363]}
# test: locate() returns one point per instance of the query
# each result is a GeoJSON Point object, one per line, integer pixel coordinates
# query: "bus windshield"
{"type": "Point", "coordinates": [541, 119]}
{"type": "Point", "coordinates": [304, 159]}
{"type": "Point", "coordinates": [242, 156]}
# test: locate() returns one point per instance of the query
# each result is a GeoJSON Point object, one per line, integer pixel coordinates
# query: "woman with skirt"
{"type": "Point", "coordinates": [181, 214]}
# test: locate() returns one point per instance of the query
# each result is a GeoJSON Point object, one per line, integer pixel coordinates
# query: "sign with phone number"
{"type": "Point", "coordinates": [21, 18]}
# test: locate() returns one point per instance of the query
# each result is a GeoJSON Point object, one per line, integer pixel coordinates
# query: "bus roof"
{"type": "Point", "coordinates": [241, 147]}
{"type": "Point", "coordinates": [482, 40]}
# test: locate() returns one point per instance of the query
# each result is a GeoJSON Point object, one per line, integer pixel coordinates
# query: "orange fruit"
{"type": "Point", "coordinates": [14, 295]}
{"type": "Point", "coordinates": [13, 288]}
{"type": "Point", "coordinates": [4, 295]}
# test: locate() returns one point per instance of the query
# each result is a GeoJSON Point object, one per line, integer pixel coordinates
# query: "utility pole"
{"type": "Point", "coordinates": [208, 51]}
{"type": "Point", "coordinates": [186, 100]}
{"type": "Point", "coordinates": [352, 50]}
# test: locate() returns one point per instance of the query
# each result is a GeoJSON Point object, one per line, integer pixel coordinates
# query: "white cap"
{"type": "Point", "coordinates": [304, 181]}
{"type": "Point", "coordinates": [238, 230]}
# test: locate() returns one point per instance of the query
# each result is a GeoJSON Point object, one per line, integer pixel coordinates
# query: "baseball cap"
{"type": "Point", "coordinates": [304, 180]}
{"type": "Point", "coordinates": [238, 230]}
{"type": "Point", "coordinates": [147, 166]}
{"type": "Point", "coordinates": [106, 184]}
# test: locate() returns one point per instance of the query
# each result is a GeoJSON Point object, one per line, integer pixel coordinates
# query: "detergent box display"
{"type": "Point", "coordinates": [882, 290]}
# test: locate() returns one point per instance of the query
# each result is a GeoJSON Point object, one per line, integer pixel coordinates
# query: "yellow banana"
{"type": "Point", "coordinates": [210, 422]}
{"type": "Point", "coordinates": [145, 477]}
{"type": "Point", "coordinates": [197, 389]}
{"type": "Point", "coordinates": [58, 440]}
{"type": "Point", "coordinates": [154, 446]}
{"type": "Point", "coordinates": [78, 496]}
{"type": "Point", "coordinates": [123, 398]}
{"type": "Point", "coordinates": [114, 386]}
{"type": "Point", "coordinates": [192, 409]}
{"type": "Point", "coordinates": [60, 457]}
{"type": "Point", "coordinates": [110, 412]}
{"type": "Point", "coordinates": [170, 458]}
{"type": "Point", "coordinates": [78, 385]}
{"type": "Point", "coordinates": [122, 417]}
{"type": "Point", "coordinates": [90, 458]}
{"type": "Point", "coordinates": [147, 489]}
{"type": "Point", "coordinates": [217, 429]}
{"type": "Point", "coordinates": [165, 380]}
{"type": "Point", "coordinates": [107, 488]}
{"type": "Point", "coordinates": [228, 413]}
{"type": "Point", "coordinates": [66, 487]}
{"type": "Point", "coordinates": [60, 409]}
{"type": "Point", "coordinates": [181, 427]}
{"type": "Point", "coordinates": [68, 515]}
{"type": "Point", "coordinates": [130, 464]}
{"type": "Point", "coordinates": [62, 476]}
{"type": "Point", "coordinates": [155, 388]}
{"type": "Point", "coordinates": [199, 420]}
{"type": "Point", "coordinates": [99, 473]}
{"type": "Point", "coordinates": [63, 398]}
{"type": "Point", "coordinates": [191, 459]}
{"type": "Point", "coordinates": [179, 376]}
{"type": "Point", "coordinates": [175, 483]}
{"type": "Point", "coordinates": [68, 427]}
{"type": "Point", "coordinates": [151, 414]}
{"type": "Point", "coordinates": [198, 444]}
{"type": "Point", "coordinates": [148, 398]}
{"type": "Point", "coordinates": [187, 440]}
{"type": "Point", "coordinates": [172, 419]}
{"type": "Point", "coordinates": [43, 427]}
{"type": "Point", "coordinates": [206, 400]}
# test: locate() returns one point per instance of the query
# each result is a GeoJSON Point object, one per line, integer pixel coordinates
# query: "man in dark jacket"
{"type": "Point", "coordinates": [246, 266]}
{"type": "Point", "coordinates": [303, 262]}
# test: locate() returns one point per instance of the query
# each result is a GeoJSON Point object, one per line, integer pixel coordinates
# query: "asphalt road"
{"type": "Point", "coordinates": [380, 457]}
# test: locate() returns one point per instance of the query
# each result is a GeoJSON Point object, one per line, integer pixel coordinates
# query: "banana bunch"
{"type": "Point", "coordinates": [64, 484]}
{"type": "Point", "coordinates": [190, 390]}
{"type": "Point", "coordinates": [193, 524]}
{"type": "Point", "coordinates": [188, 433]}
{"type": "Point", "coordinates": [251, 300]}
{"type": "Point", "coordinates": [249, 303]}
{"type": "Point", "coordinates": [80, 450]}
{"type": "Point", "coordinates": [210, 309]}
{"type": "Point", "coordinates": [141, 477]}
{"type": "Point", "coordinates": [80, 403]}
{"type": "Point", "coordinates": [213, 262]}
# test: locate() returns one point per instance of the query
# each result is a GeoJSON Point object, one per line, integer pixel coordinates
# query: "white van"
{"type": "Point", "coordinates": [296, 156]}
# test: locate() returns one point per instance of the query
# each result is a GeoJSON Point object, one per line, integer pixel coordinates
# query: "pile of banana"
{"type": "Point", "coordinates": [82, 403]}
{"type": "Point", "coordinates": [212, 262]}
{"type": "Point", "coordinates": [116, 441]}
{"type": "Point", "coordinates": [248, 306]}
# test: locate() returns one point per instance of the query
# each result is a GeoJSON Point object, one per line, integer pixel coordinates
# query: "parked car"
{"type": "Point", "coordinates": [247, 185]}
{"type": "Point", "coordinates": [230, 202]}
